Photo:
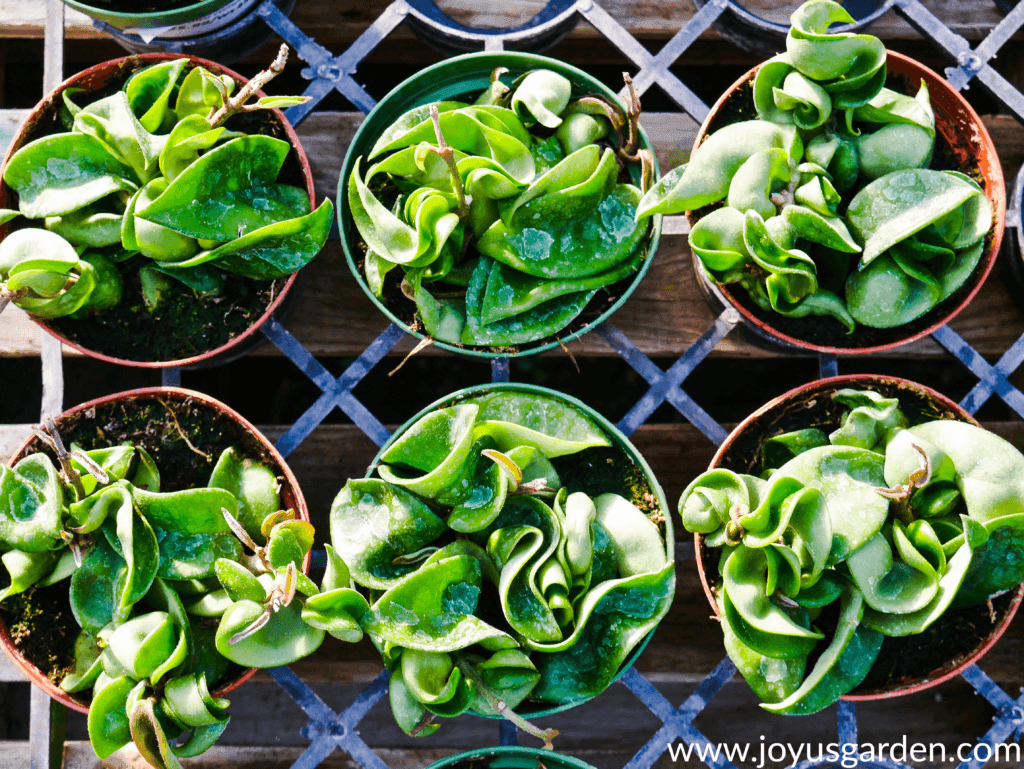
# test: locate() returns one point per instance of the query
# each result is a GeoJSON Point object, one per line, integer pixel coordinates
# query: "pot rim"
{"type": "Point", "coordinates": [837, 382]}
{"type": "Point", "coordinates": [619, 441]}
{"type": "Point", "coordinates": [135, 61]}
{"type": "Point", "coordinates": [195, 10]}
{"type": "Point", "coordinates": [995, 190]}
{"type": "Point", "coordinates": [548, 757]}
{"type": "Point", "coordinates": [345, 224]}
{"type": "Point", "coordinates": [30, 671]}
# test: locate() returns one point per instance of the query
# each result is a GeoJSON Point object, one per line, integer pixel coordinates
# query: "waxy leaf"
{"type": "Point", "coordinates": [564, 244]}
{"type": "Point", "coordinates": [543, 320]}
{"type": "Point", "coordinates": [624, 611]}
{"type": "Point", "coordinates": [30, 504]}
{"type": "Point", "coordinates": [272, 251]}
{"type": "Point", "coordinates": [149, 91]}
{"type": "Point", "coordinates": [25, 569]}
{"type": "Point", "coordinates": [432, 610]}
{"type": "Point", "coordinates": [898, 205]}
{"type": "Point", "coordinates": [541, 97]}
{"type": "Point", "coordinates": [230, 189]}
{"type": "Point", "coordinates": [843, 664]}
{"type": "Point", "coordinates": [253, 485]}
{"type": "Point", "coordinates": [142, 643]}
{"type": "Point", "coordinates": [888, 585]}
{"type": "Point", "coordinates": [771, 679]}
{"type": "Point", "coordinates": [93, 586]}
{"type": "Point", "coordinates": [87, 666]}
{"type": "Point", "coordinates": [111, 121]}
{"type": "Point", "coordinates": [108, 718]}
{"type": "Point", "coordinates": [427, 457]}
{"type": "Point", "coordinates": [530, 419]}
{"type": "Point", "coordinates": [745, 576]}
{"type": "Point", "coordinates": [509, 674]}
{"type": "Point", "coordinates": [61, 173]}
{"type": "Point", "coordinates": [847, 477]}
{"type": "Point", "coordinates": [521, 552]}
{"type": "Point", "coordinates": [201, 93]}
{"type": "Point", "coordinates": [990, 470]}
{"type": "Point", "coordinates": [373, 523]}
{"type": "Point", "coordinates": [910, 623]}
{"type": "Point", "coordinates": [706, 178]}
{"type": "Point", "coordinates": [282, 641]}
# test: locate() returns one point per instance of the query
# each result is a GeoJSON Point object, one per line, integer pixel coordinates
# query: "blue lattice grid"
{"type": "Point", "coordinates": [329, 730]}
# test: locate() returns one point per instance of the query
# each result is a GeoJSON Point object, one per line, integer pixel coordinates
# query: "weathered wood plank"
{"type": "Point", "coordinates": [338, 22]}
{"type": "Point", "coordinates": [667, 313]}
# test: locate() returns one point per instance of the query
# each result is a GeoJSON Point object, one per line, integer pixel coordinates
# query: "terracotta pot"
{"type": "Point", "coordinates": [291, 498]}
{"type": "Point", "coordinates": [619, 441]}
{"type": "Point", "coordinates": [759, 426]}
{"type": "Point", "coordinates": [42, 120]}
{"type": "Point", "coordinates": [958, 125]}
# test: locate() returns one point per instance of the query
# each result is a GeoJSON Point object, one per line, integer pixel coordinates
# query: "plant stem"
{"type": "Point", "coordinates": [633, 113]}
{"type": "Point", "coordinates": [7, 296]}
{"type": "Point", "coordinates": [48, 434]}
{"type": "Point", "coordinates": [502, 709]}
{"type": "Point", "coordinates": [236, 103]}
{"type": "Point", "coordinates": [448, 155]}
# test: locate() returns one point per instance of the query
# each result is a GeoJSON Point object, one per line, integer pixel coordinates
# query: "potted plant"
{"type": "Point", "coordinates": [514, 552]}
{"type": "Point", "coordinates": [128, 591]}
{"type": "Point", "coordinates": [484, 204]}
{"type": "Point", "coordinates": [864, 522]}
{"type": "Point", "coordinates": [157, 216]}
{"type": "Point", "coordinates": [842, 197]}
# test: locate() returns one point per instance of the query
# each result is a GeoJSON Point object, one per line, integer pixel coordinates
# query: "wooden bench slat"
{"type": "Point", "coordinates": [667, 313]}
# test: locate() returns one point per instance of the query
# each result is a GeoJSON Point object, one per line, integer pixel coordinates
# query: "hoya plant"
{"type": "Point", "coordinates": [875, 530]}
{"type": "Point", "coordinates": [160, 584]}
{"type": "Point", "coordinates": [826, 203]}
{"type": "Point", "coordinates": [509, 557]}
{"type": "Point", "coordinates": [502, 214]}
{"type": "Point", "coordinates": [148, 185]}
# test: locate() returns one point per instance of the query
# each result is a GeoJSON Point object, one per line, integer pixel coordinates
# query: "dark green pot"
{"type": "Point", "coordinates": [619, 441]}
{"type": "Point", "coordinates": [445, 80]}
{"type": "Point", "coordinates": [512, 757]}
{"type": "Point", "coordinates": [183, 15]}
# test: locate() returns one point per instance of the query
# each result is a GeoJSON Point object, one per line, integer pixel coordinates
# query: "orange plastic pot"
{"type": "Point", "coordinates": [43, 120]}
{"type": "Point", "coordinates": [968, 141]}
{"type": "Point", "coordinates": [291, 498]}
{"type": "Point", "coordinates": [759, 426]}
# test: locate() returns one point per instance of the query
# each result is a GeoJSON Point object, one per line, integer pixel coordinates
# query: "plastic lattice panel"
{"type": "Point", "coordinates": [329, 730]}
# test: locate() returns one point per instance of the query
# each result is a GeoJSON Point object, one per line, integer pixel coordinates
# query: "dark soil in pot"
{"type": "Point", "coordinates": [608, 470]}
{"type": "Point", "coordinates": [827, 331]}
{"type": "Point", "coordinates": [185, 325]}
{"type": "Point", "coordinates": [185, 438]}
{"type": "Point", "coordinates": [902, 661]}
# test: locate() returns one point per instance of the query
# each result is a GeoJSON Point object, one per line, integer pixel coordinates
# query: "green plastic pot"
{"type": "Point", "coordinates": [183, 15]}
{"type": "Point", "coordinates": [619, 441]}
{"type": "Point", "coordinates": [469, 74]}
{"type": "Point", "coordinates": [512, 757]}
